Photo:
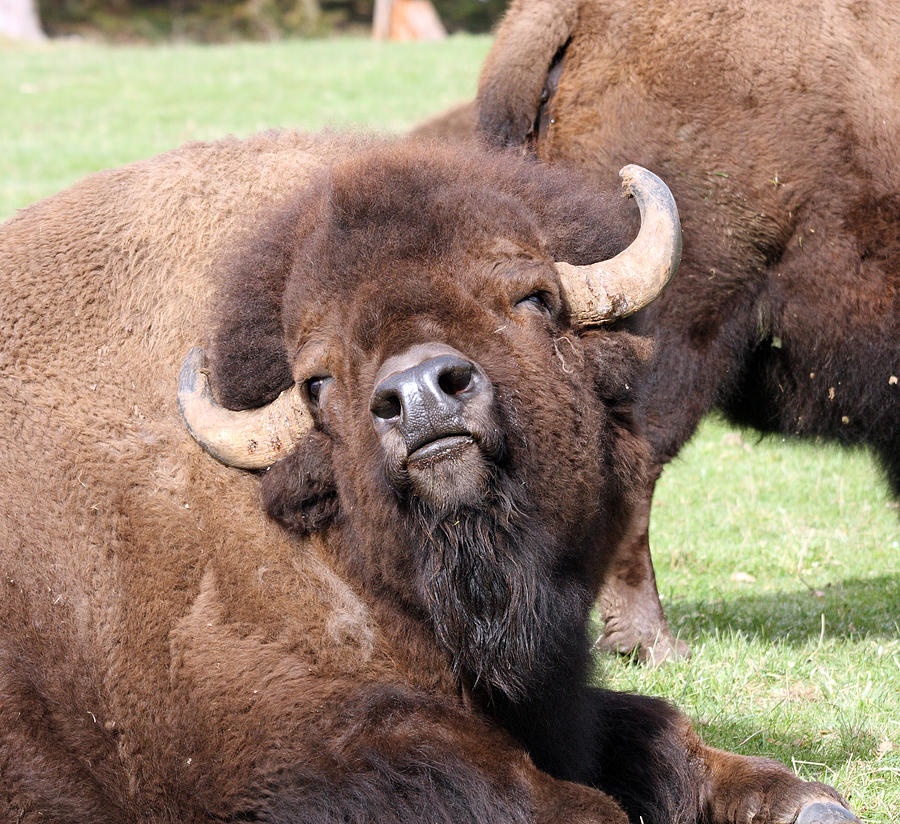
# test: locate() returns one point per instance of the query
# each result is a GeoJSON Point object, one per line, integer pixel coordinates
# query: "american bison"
{"type": "Point", "coordinates": [778, 128]}
{"type": "Point", "coordinates": [446, 451]}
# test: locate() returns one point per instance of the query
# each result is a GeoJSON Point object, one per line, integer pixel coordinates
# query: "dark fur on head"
{"type": "Point", "coordinates": [379, 209]}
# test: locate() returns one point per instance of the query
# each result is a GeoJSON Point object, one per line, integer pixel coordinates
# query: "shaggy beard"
{"type": "Point", "coordinates": [487, 585]}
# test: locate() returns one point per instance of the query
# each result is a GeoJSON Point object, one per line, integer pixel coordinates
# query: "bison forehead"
{"type": "Point", "coordinates": [424, 205]}
{"type": "Point", "coordinates": [397, 231]}
{"type": "Point", "coordinates": [469, 303]}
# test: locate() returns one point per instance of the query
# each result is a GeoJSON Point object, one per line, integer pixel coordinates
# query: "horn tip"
{"type": "Point", "coordinates": [191, 377]}
{"type": "Point", "coordinates": [633, 174]}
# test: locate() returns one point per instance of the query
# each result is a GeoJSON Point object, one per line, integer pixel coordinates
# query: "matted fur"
{"type": "Point", "coordinates": [777, 127]}
{"type": "Point", "coordinates": [170, 654]}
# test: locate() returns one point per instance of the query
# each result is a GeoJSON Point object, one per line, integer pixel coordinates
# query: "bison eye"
{"type": "Point", "coordinates": [538, 299]}
{"type": "Point", "coordinates": [314, 388]}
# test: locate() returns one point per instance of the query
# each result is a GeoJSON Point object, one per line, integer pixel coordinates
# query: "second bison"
{"type": "Point", "coordinates": [778, 128]}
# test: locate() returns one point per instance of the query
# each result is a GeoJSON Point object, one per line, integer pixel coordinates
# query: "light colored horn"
{"type": "Point", "coordinates": [250, 439]}
{"type": "Point", "coordinates": [610, 289]}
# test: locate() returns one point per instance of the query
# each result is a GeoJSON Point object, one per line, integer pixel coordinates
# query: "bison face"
{"type": "Point", "coordinates": [456, 377]}
{"type": "Point", "coordinates": [468, 439]}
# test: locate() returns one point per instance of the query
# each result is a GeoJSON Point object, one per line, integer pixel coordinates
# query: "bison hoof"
{"type": "Point", "coordinates": [665, 650]}
{"type": "Point", "coordinates": [660, 650]}
{"type": "Point", "coordinates": [825, 812]}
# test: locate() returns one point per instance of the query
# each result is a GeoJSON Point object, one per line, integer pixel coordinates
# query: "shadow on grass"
{"type": "Point", "coordinates": [808, 749]}
{"type": "Point", "coordinates": [853, 609]}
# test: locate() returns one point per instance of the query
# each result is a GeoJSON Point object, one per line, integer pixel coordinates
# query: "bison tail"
{"type": "Point", "coordinates": [514, 76]}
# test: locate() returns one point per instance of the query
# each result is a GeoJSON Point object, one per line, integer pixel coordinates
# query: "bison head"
{"type": "Point", "coordinates": [436, 394]}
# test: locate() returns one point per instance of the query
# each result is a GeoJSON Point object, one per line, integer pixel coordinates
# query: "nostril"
{"type": "Point", "coordinates": [386, 405]}
{"type": "Point", "coordinates": [456, 378]}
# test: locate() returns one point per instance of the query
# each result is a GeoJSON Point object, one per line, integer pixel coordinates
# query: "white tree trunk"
{"type": "Point", "coordinates": [406, 20]}
{"type": "Point", "coordinates": [19, 20]}
{"type": "Point", "coordinates": [381, 19]}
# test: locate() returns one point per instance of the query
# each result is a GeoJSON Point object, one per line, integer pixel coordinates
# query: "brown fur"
{"type": "Point", "coordinates": [456, 123]}
{"type": "Point", "coordinates": [169, 654]}
{"type": "Point", "coordinates": [777, 127]}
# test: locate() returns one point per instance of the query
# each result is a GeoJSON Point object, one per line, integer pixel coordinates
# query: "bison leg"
{"type": "Point", "coordinates": [683, 382]}
{"type": "Point", "coordinates": [387, 754]}
{"type": "Point", "coordinates": [654, 763]}
{"type": "Point", "coordinates": [743, 788]}
{"type": "Point", "coordinates": [629, 602]}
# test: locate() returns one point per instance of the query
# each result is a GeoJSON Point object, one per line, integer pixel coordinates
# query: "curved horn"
{"type": "Point", "coordinates": [614, 288]}
{"type": "Point", "coordinates": [251, 439]}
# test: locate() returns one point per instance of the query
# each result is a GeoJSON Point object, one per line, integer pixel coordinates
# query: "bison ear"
{"type": "Point", "coordinates": [621, 358]}
{"type": "Point", "coordinates": [249, 363]}
{"type": "Point", "coordinates": [299, 490]}
{"type": "Point", "coordinates": [511, 86]}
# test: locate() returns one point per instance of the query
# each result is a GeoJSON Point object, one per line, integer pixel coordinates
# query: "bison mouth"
{"type": "Point", "coordinates": [448, 471]}
{"type": "Point", "coordinates": [439, 449]}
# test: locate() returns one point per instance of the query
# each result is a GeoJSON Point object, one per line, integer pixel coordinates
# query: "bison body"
{"type": "Point", "coordinates": [778, 128]}
{"type": "Point", "coordinates": [403, 639]}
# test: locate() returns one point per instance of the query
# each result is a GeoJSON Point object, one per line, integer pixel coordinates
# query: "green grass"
{"type": "Point", "coordinates": [67, 109]}
{"type": "Point", "coordinates": [779, 562]}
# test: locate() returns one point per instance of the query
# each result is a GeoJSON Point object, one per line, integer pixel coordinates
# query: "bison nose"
{"type": "Point", "coordinates": [424, 394]}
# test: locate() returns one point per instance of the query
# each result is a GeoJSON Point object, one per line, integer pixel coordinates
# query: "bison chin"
{"type": "Point", "coordinates": [448, 474]}
{"type": "Point", "coordinates": [487, 581]}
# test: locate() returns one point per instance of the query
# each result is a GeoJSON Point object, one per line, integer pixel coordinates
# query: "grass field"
{"type": "Point", "coordinates": [68, 109]}
{"type": "Point", "coordinates": [779, 562]}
